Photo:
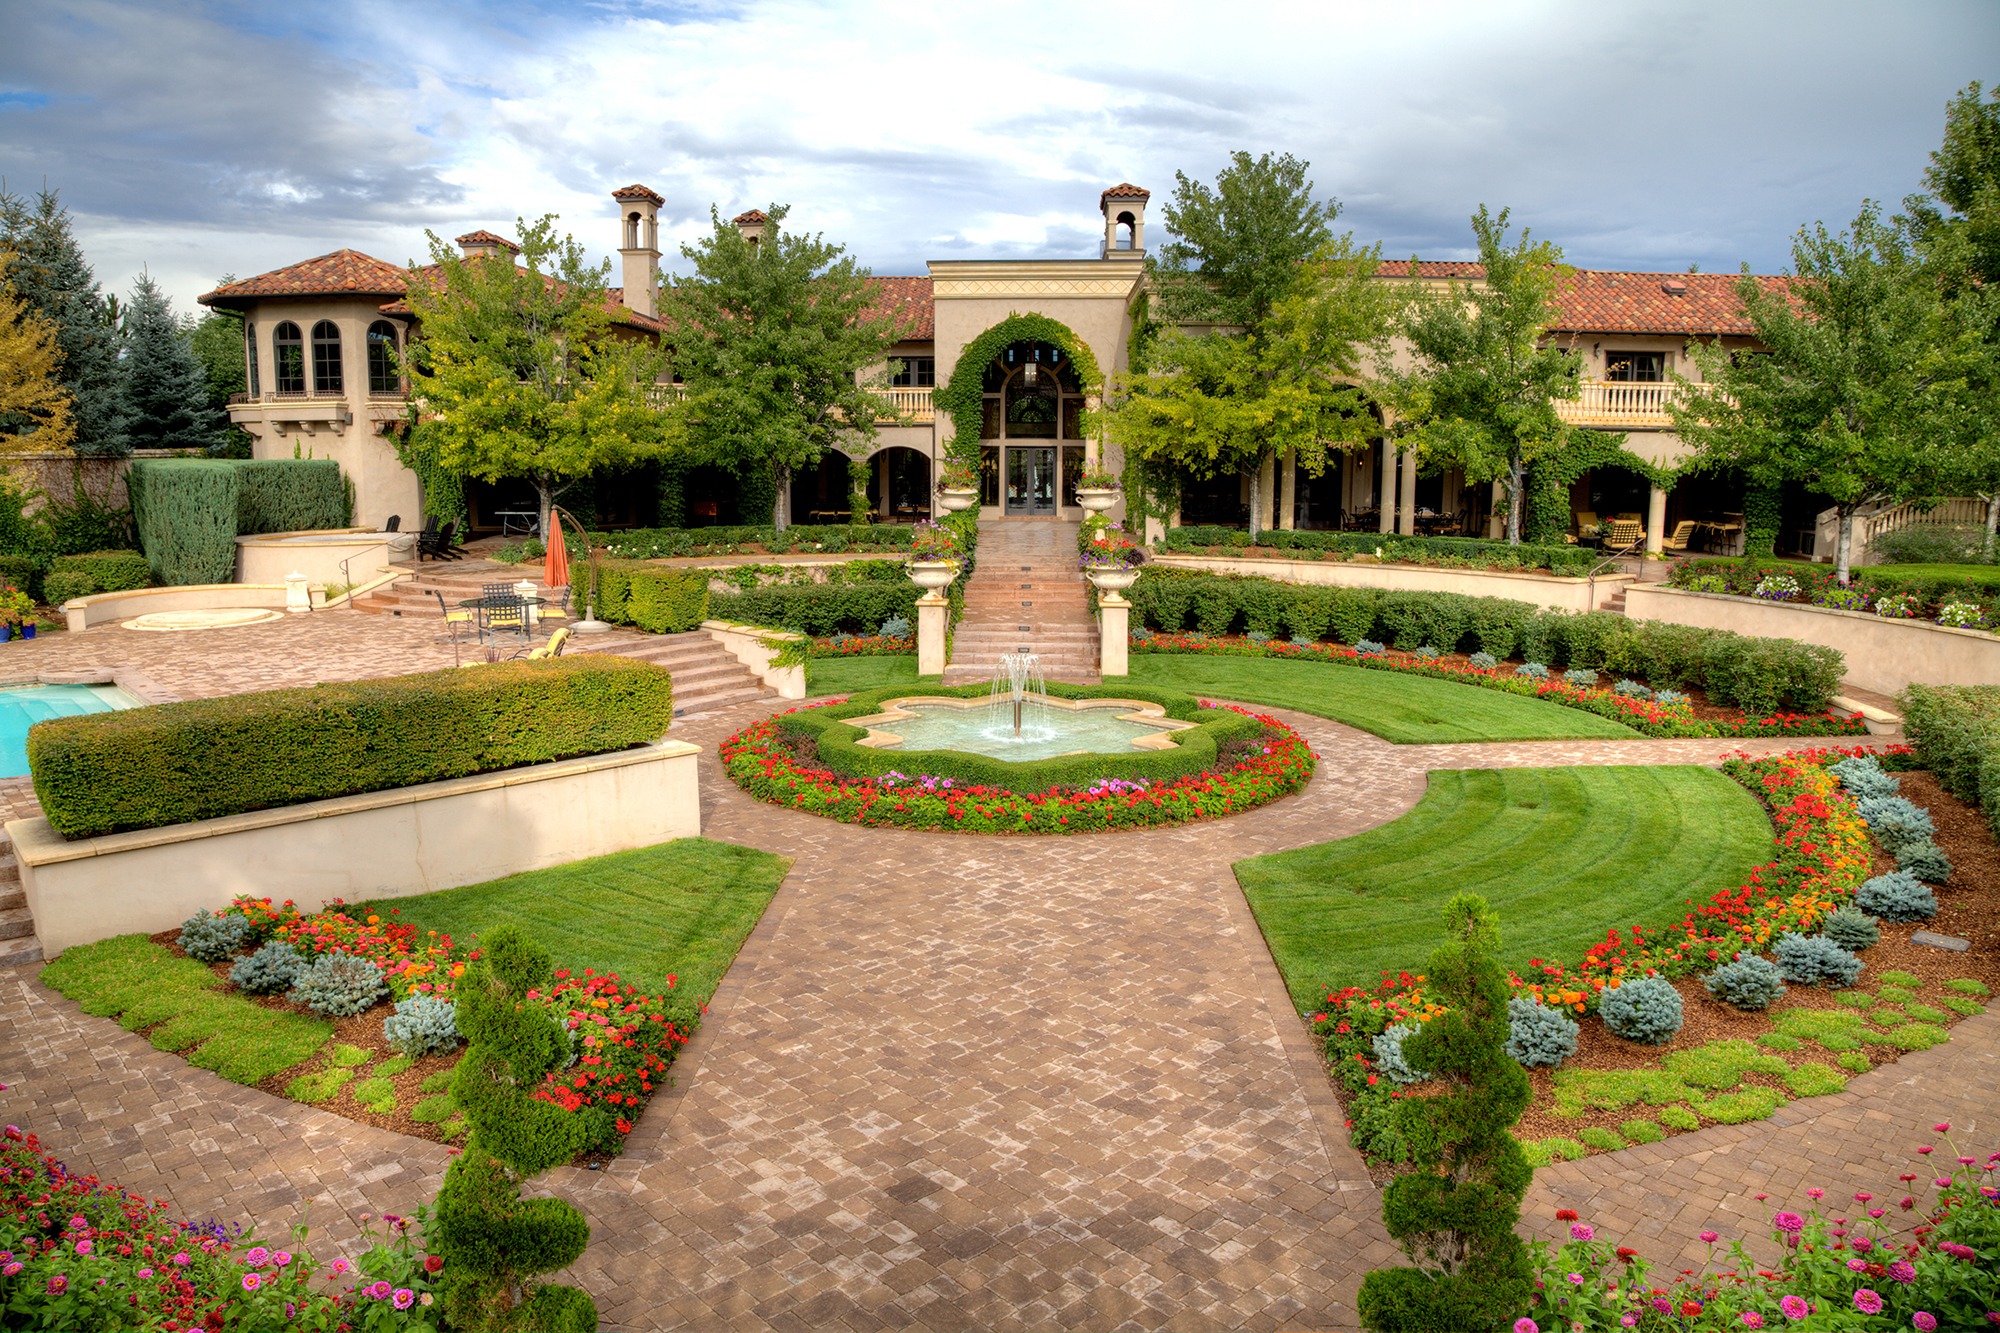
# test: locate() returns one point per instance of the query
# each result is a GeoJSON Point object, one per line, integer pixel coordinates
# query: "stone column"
{"type": "Point", "coordinates": [881, 483]}
{"type": "Point", "coordinates": [1114, 627]}
{"type": "Point", "coordinates": [1406, 502]}
{"type": "Point", "coordinates": [1288, 492]}
{"type": "Point", "coordinates": [933, 616]}
{"type": "Point", "coordinates": [1656, 520]}
{"type": "Point", "coordinates": [1385, 489]}
{"type": "Point", "coordinates": [1496, 519]}
{"type": "Point", "coordinates": [1266, 479]}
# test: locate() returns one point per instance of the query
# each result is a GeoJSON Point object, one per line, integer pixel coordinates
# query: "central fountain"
{"type": "Point", "coordinates": [1018, 686]}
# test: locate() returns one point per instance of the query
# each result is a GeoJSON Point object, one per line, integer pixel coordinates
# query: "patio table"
{"type": "Point", "coordinates": [482, 607]}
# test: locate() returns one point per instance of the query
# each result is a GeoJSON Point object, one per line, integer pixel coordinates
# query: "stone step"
{"type": "Point", "coordinates": [708, 703]}
{"type": "Point", "coordinates": [16, 922]}
{"type": "Point", "coordinates": [22, 949]}
{"type": "Point", "coordinates": [13, 897]}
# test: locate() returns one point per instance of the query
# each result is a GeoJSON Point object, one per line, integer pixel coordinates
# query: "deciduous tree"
{"type": "Point", "coordinates": [217, 339]}
{"type": "Point", "coordinates": [34, 406]}
{"type": "Point", "coordinates": [52, 276]}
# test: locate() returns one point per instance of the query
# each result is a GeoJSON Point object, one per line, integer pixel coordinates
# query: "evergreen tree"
{"type": "Point", "coordinates": [34, 407]}
{"type": "Point", "coordinates": [55, 280]}
{"type": "Point", "coordinates": [217, 339]}
{"type": "Point", "coordinates": [166, 389]}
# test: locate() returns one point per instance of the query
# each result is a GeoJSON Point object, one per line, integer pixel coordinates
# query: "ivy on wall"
{"type": "Point", "coordinates": [444, 490]}
{"type": "Point", "coordinates": [1545, 516]}
{"type": "Point", "coordinates": [1763, 511]}
{"type": "Point", "coordinates": [962, 396]}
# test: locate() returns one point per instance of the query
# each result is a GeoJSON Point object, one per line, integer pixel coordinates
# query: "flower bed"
{"type": "Point", "coordinates": [1647, 716]}
{"type": "Point", "coordinates": [1268, 762]}
{"type": "Point", "coordinates": [1963, 601]}
{"type": "Point", "coordinates": [865, 645]}
{"type": "Point", "coordinates": [1921, 1255]}
{"type": "Point", "coordinates": [84, 1254]}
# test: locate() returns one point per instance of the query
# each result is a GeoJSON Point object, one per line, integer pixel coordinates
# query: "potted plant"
{"type": "Point", "coordinates": [934, 556]}
{"type": "Point", "coordinates": [959, 487]}
{"type": "Point", "coordinates": [1109, 557]}
{"type": "Point", "coordinates": [1098, 489]}
{"type": "Point", "coordinates": [15, 609]}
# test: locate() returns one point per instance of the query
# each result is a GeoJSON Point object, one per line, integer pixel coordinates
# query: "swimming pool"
{"type": "Point", "coordinates": [22, 707]}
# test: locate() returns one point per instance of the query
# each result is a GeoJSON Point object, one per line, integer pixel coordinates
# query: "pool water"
{"type": "Point", "coordinates": [1045, 732]}
{"type": "Point", "coordinates": [23, 707]}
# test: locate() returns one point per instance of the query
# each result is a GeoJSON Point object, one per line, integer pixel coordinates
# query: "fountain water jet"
{"type": "Point", "coordinates": [1017, 686]}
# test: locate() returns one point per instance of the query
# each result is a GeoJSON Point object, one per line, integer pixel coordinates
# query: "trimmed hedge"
{"type": "Point", "coordinates": [189, 511]}
{"type": "Point", "coordinates": [1955, 730]}
{"type": "Point", "coordinates": [175, 763]}
{"type": "Point", "coordinates": [1194, 750]}
{"type": "Point", "coordinates": [23, 572]}
{"type": "Point", "coordinates": [107, 571]}
{"type": "Point", "coordinates": [822, 609]}
{"type": "Point", "coordinates": [288, 495]}
{"type": "Point", "coordinates": [654, 598]}
{"type": "Point", "coordinates": [1760, 676]}
{"type": "Point", "coordinates": [1446, 552]}
{"type": "Point", "coordinates": [655, 543]}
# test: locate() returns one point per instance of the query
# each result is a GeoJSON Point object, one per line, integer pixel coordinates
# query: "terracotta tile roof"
{"type": "Point", "coordinates": [1123, 190]}
{"type": "Point", "coordinates": [1617, 301]}
{"type": "Point", "coordinates": [638, 192]}
{"type": "Point", "coordinates": [484, 237]}
{"type": "Point", "coordinates": [755, 216]}
{"type": "Point", "coordinates": [909, 302]}
{"type": "Point", "coordinates": [342, 273]}
{"type": "Point", "coordinates": [614, 300]}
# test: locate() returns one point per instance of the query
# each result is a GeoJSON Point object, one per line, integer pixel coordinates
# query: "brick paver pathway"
{"type": "Point", "coordinates": [957, 1082]}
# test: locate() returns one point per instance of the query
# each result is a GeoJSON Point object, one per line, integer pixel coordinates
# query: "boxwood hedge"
{"type": "Point", "coordinates": [1194, 750]}
{"type": "Point", "coordinates": [656, 598]}
{"type": "Point", "coordinates": [1956, 732]}
{"type": "Point", "coordinates": [175, 763]}
{"type": "Point", "coordinates": [1446, 552]}
{"type": "Point", "coordinates": [820, 609]}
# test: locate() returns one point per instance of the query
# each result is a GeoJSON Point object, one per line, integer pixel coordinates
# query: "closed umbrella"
{"type": "Point", "coordinates": [555, 566]}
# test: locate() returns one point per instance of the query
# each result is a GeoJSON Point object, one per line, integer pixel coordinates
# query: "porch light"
{"type": "Point", "coordinates": [1028, 373]}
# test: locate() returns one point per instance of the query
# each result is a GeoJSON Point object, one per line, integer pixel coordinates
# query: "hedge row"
{"type": "Point", "coordinates": [1446, 552]}
{"type": "Point", "coordinates": [66, 576]}
{"type": "Point", "coordinates": [175, 763]}
{"type": "Point", "coordinates": [1931, 588]}
{"type": "Point", "coordinates": [821, 609]}
{"type": "Point", "coordinates": [1757, 675]}
{"type": "Point", "coordinates": [1194, 750]}
{"type": "Point", "coordinates": [1955, 730]}
{"type": "Point", "coordinates": [189, 511]}
{"type": "Point", "coordinates": [656, 543]}
{"type": "Point", "coordinates": [654, 598]}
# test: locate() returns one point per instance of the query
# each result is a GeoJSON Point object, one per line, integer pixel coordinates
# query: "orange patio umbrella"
{"type": "Point", "coordinates": [555, 565]}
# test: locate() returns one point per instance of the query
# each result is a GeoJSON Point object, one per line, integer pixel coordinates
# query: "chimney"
{"type": "Point", "coordinates": [639, 247]}
{"type": "Point", "coordinates": [752, 225]}
{"type": "Point", "coordinates": [479, 244]}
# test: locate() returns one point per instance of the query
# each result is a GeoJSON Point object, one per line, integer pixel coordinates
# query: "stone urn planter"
{"type": "Point", "coordinates": [1096, 500]}
{"type": "Point", "coordinates": [954, 499]}
{"type": "Point", "coordinates": [1113, 580]}
{"type": "Point", "coordinates": [933, 576]}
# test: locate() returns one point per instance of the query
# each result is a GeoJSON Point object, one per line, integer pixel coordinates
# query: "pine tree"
{"type": "Point", "coordinates": [166, 388]}
{"type": "Point", "coordinates": [34, 407]}
{"type": "Point", "coordinates": [55, 280]}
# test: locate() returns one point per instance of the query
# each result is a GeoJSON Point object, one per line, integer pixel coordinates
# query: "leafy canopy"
{"type": "Point", "coordinates": [522, 369]}
{"type": "Point", "coordinates": [772, 340]}
{"type": "Point", "coordinates": [34, 406]}
{"type": "Point", "coordinates": [55, 280]}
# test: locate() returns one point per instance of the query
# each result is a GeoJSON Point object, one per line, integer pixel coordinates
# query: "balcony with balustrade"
{"type": "Point", "coordinates": [1619, 405]}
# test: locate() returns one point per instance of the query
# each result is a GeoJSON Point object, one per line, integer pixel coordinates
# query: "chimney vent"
{"type": "Point", "coordinates": [1674, 287]}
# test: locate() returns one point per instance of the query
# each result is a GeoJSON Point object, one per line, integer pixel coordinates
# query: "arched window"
{"type": "Point", "coordinates": [288, 349]}
{"type": "Point", "coordinates": [632, 230]}
{"type": "Point", "coordinates": [1032, 392]}
{"type": "Point", "coordinates": [1128, 230]}
{"type": "Point", "coordinates": [250, 358]}
{"type": "Point", "coordinates": [382, 357]}
{"type": "Point", "coordinates": [326, 357]}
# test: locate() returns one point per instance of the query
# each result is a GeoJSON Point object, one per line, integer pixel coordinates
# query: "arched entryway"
{"type": "Point", "coordinates": [899, 485]}
{"type": "Point", "coordinates": [1031, 441]}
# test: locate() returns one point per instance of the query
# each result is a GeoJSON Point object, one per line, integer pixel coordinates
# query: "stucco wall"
{"type": "Point", "coordinates": [81, 613]}
{"type": "Point", "coordinates": [388, 844]}
{"type": "Point", "coordinates": [274, 557]}
{"type": "Point", "coordinates": [1882, 655]}
{"type": "Point", "coordinates": [1542, 589]}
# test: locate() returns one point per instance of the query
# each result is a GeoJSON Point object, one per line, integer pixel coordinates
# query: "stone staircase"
{"type": "Point", "coordinates": [706, 675]}
{"type": "Point", "coordinates": [17, 926]}
{"type": "Point", "coordinates": [1026, 596]}
{"type": "Point", "coordinates": [457, 581]}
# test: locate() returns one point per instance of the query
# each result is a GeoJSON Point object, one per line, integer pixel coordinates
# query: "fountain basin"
{"type": "Point", "coordinates": [1055, 726]}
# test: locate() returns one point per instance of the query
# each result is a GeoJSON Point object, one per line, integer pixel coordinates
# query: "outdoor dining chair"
{"type": "Point", "coordinates": [502, 610]}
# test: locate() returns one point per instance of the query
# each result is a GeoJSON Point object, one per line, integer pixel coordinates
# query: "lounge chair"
{"type": "Point", "coordinates": [1622, 534]}
{"type": "Point", "coordinates": [1683, 537]}
{"type": "Point", "coordinates": [440, 543]}
{"type": "Point", "coordinates": [554, 647]}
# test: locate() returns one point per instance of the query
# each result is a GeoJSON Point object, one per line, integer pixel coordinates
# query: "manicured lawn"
{"type": "Point", "coordinates": [1980, 573]}
{"type": "Point", "coordinates": [682, 907]}
{"type": "Point", "coordinates": [1561, 854]}
{"type": "Point", "coordinates": [1409, 710]}
{"type": "Point", "coordinates": [847, 675]}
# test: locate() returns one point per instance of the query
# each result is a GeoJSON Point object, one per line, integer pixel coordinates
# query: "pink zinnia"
{"type": "Point", "coordinates": [380, 1291]}
{"type": "Point", "coordinates": [182, 1259]}
{"type": "Point", "coordinates": [1944, 1128]}
{"type": "Point", "coordinates": [1789, 1223]}
{"type": "Point", "coordinates": [13, 1268]}
{"type": "Point", "coordinates": [1581, 1231]}
{"type": "Point", "coordinates": [282, 1257]}
{"type": "Point", "coordinates": [257, 1255]}
{"type": "Point", "coordinates": [1903, 1271]}
{"type": "Point", "coordinates": [1751, 1319]}
{"type": "Point", "coordinates": [1710, 1237]}
{"type": "Point", "coordinates": [1867, 1301]}
{"type": "Point", "coordinates": [1862, 1244]}
{"type": "Point", "coordinates": [83, 1247]}
{"type": "Point", "coordinates": [1794, 1308]}
{"type": "Point", "coordinates": [1526, 1325]}
{"type": "Point", "coordinates": [145, 1272]}
{"type": "Point", "coordinates": [252, 1281]}
{"type": "Point", "coordinates": [1925, 1321]}
{"type": "Point", "coordinates": [1857, 1265]}
{"type": "Point", "coordinates": [1815, 1193]}
{"type": "Point", "coordinates": [58, 1285]}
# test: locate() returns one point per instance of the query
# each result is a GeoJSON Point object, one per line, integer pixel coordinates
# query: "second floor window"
{"type": "Point", "coordinates": [918, 372]}
{"type": "Point", "coordinates": [288, 349]}
{"type": "Point", "coordinates": [382, 357]}
{"type": "Point", "coordinates": [326, 357]}
{"type": "Point", "coordinates": [250, 359]}
{"type": "Point", "coordinates": [1635, 367]}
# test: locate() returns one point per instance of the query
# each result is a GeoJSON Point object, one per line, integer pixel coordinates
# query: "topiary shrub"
{"type": "Point", "coordinates": [185, 510]}
{"type": "Point", "coordinates": [1749, 982]}
{"type": "Point", "coordinates": [422, 1025]}
{"type": "Point", "coordinates": [1926, 860]}
{"type": "Point", "coordinates": [1895, 820]}
{"type": "Point", "coordinates": [1896, 896]}
{"type": "Point", "coordinates": [1815, 959]}
{"type": "Point", "coordinates": [340, 985]}
{"type": "Point", "coordinates": [1645, 1009]}
{"type": "Point", "coordinates": [60, 588]}
{"type": "Point", "coordinates": [1389, 1056]}
{"type": "Point", "coordinates": [1539, 1036]}
{"type": "Point", "coordinates": [492, 1240]}
{"type": "Point", "coordinates": [273, 968]}
{"type": "Point", "coordinates": [214, 938]}
{"type": "Point", "coordinates": [1455, 1209]}
{"type": "Point", "coordinates": [1852, 929]}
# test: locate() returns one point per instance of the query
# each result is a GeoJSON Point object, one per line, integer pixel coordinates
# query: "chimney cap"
{"type": "Point", "coordinates": [639, 192]}
{"type": "Point", "coordinates": [487, 238]}
{"type": "Point", "coordinates": [756, 217]}
{"type": "Point", "coordinates": [1123, 190]}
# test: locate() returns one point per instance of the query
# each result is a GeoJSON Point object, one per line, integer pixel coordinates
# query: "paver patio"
{"type": "Point", "coordinates": [953, 1082]}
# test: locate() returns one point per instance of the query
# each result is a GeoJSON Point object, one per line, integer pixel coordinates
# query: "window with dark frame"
{"type": "Point", "coordinates": [250, 358]}
{"type": "Point", "coordinates": [1635, 367]}
{"type": "Point", "coordinates": [288, 349]}
{"type": "Point", "coordinates": [326, 357]}
{"type": "Point", "coordinates": [381, 357]}
{"type": "Point", "coordinates": [918, 372]}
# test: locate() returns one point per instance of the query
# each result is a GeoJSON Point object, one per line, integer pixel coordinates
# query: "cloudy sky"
{"type": "Point", "coordinates": [199, 139]}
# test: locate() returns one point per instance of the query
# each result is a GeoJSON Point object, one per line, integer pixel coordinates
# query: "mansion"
{"type": "Point", "coordinates": [320, 334]}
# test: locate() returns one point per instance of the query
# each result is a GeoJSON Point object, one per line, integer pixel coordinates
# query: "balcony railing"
{"type": "Point", "coordinates": [912, 405]}
{"type": "Point", "coordinates": [1617, 403]}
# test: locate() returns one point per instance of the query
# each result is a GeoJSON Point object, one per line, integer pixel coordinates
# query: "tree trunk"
{"type": "Point", "coordinates": [1992, 523]}
{"type": "Point", "coordinates": [781, 503]}
{"type": "Point", "coordinates": [1516, 472]}
{"type": "Point", "coordinates": [545, 500]}
{"type": "Point", "coordinates": [1256, 497]}
{"type": "Point", "coordinates": [1843, 546]}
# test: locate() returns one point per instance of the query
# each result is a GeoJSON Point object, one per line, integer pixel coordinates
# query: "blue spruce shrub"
{"type": "Point", "coordinates": [1632, 689]}
{"type": "Point", "coordinates": [1257, 636]}
{"type": "Point", "coordinates": [340, 985]}
{"type": "Point", "coordinates": [1484, 660]}
{"type": "Point", "coordinates": [1895, 820]}
{"type": "Point", "coordinates": [1389, 1054]}
{"type": "Point", "coordinates": [1537, 1035]}
{"type": "Point", "coordinates": [1646, 1009]}
{"type": "Point", "coordinates": [1669, 697]}
{"type": "Point", "coordinates": [1532, 670]}
{"type": "Point", "coordinates": [1863, 776]}
{"type": "Point", "coordinates": [1811, 959]}
{"type": "Point", "coordinates": [1302, 641]}
{"type": "Point", "coordinates": [1852, 929]}
{"type": "Point", "coordinates": [1926, 860]}
{"type": "Point", "coordinates": [1140, 633]}
{"type": "Point", "coordinates": [421, 1025]}
{"type": "Point", "coordinates": [214, 938]}
{"type": "Point", "coordinates": [1749, 982]}
{"type": "Point", "coordinates": [273, 968]}
{"type": "Point", "coordinates": [895, 627]}
{"type": "Point", "coordinates": [1896, 896]}
{"type": "Point", "coordinates": [1581, 677]}
{"type": "Point", "coordinates": [1425, 653]}
{"type": "Point", "coordinates": [1370, 648]}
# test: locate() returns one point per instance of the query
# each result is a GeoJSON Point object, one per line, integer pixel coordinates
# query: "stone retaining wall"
{"type": "Point", "coordinates": [1544, 590]}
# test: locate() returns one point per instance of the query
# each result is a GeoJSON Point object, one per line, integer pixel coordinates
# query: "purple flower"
{"type": "Point", "coordinates": [403, 1298]}
{"type": "Point", "coordinates": [1581, 1231]}
{"type": "Point", "coordinates": [1925, 1321]}
{"type": "Point", "coordinates": [1663, 1305]}
{"type": "Point", "coordinates": [1867, 1301]}
{"type": "Point", "coordinates": [1789, 1223]}
{"type": "Point", "coordinates": [1794, 1308]}
{"type": "Point", "coordinates": [1903, 1271]}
